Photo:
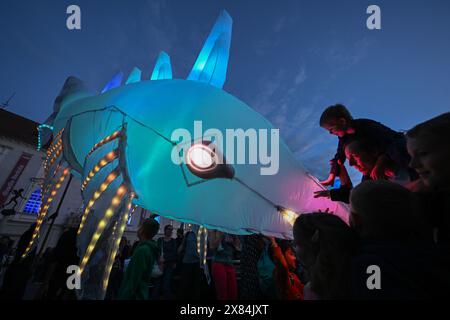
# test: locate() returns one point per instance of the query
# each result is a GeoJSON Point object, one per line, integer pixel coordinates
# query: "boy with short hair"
{"type": "Point", "coordinates": [338, 121]}
{"type": "Point", "coordinates": [137, 275]}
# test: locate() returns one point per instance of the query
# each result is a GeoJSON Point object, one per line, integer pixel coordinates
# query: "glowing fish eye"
{"type": "Point", "coordinates": [201, 157]}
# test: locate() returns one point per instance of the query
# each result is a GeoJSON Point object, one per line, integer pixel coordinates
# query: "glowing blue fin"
{"type": "Point", "coordinates": [135, 76]}
{"type": "Point", "coordinates": [163, 68]}
{"type": "Point", "coordinates": [212, 62]}
{"type": "Point", "coordinates": [115, 82]}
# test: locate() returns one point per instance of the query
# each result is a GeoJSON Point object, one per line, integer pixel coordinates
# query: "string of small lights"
{"type": "Point", "coordinates": [205, 249]}
{"type": "Point", "coordinates": [109, 138]}
{"type": "Point", "coordinates": [123, 222]}
{"type": "Point", "coordinates": [121, 191]}
{"type": "Point", "coordinates": [56, 154]}
{"type": "Point", "coordinates": [103, 162]}
{"type": "Point", "coordinates": [105, 184]}
{"type": "Point", "coordinates": [44, 210]}
{"type": "Point", "coordinates": [49, 153]}
{"type": "Point", "coordinates": [50, 160]}
{"type": "Point", "coordinates": [202, 231]}
{"type": "Point", "coordinates": [47, 185]}
{"type": "Point", "coordinates": [57, 141]}
{"type": "Point", "coordinates": [39, 129]}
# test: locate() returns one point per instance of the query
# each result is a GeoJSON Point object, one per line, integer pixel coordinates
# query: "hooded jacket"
{"type": "Point", "coordinates": [137, 275]}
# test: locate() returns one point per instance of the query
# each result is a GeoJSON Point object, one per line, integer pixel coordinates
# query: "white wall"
{"type": "Point", "coordinates": [15, 226]}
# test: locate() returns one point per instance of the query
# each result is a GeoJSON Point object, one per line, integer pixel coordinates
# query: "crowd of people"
{"type": "Point", "coordinates": [395, 246]}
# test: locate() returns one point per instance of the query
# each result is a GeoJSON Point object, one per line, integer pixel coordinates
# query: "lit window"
{"type": "Point", "coordinates": [34, 202]}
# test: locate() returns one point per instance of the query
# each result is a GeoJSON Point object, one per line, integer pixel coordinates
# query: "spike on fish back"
{"type": "Point", "coordinates": [135, 76]}
{"type": "Point", "coordinates": [163, 67]}
{"type": "Point", "coordinates": [212, 62]}
{"type": "Point", "coordinates": [115, 82]}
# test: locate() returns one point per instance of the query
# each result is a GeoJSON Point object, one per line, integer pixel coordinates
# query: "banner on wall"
{"type": "Point", "coordinates": [14, 175]}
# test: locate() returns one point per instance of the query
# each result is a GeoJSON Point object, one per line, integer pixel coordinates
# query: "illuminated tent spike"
{"type": "Point", "coordinates": [115, 82]}
{"type": "Point", "coordinates": [135, 76]}
{"type": "Point", "coordinates": [121, 191]}
{"type": "Point", "coordinates": [163, 67]}
{"type": "Point", "coordinates": [212, 62]}
{"type": "Point", "coordinates": [119, 229]}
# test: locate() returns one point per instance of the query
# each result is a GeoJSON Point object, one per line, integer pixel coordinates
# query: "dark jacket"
{"type": "Point", "coordinates": [435, 207]}
{"type": "Point", "coordinates": [137, 275]}
{"type": "Point", "coordinates": [169, 250]}
{"type": "Point", "coordinates": [393, 143]}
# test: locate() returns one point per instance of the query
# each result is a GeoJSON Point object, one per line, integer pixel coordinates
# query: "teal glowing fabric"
{"type": "Point", "coordinates": [152, 110]}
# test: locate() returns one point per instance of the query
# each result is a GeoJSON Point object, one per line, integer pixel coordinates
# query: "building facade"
{"type": "Point", "coordinates": [21, 167]}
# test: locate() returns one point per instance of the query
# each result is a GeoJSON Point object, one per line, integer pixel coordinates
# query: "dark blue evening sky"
{"type": "Point", "coordinates": [288, 60]}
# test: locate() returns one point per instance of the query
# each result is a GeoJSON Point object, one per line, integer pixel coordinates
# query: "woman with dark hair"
{"type": "Point", "coordinates": [325, 245]}
{"type": "Point", "coordinates": [428, 144]}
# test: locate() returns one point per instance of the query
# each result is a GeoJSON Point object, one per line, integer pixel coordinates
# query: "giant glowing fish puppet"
{"type": "Point", "coordinates": [120, 144]}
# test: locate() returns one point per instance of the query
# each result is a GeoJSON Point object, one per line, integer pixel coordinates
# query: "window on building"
{"type": "Point", "coordinates": [34, 202]}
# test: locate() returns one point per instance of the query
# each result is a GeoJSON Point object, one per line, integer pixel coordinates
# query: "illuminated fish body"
{"type": "Point", "coordinates": [121, 145]}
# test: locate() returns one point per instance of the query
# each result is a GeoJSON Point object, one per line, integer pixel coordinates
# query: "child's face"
{"type": "Point", "coordinates": [430, 157]}
{"type": "Point", "coordinates": [338, 128]}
